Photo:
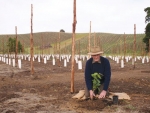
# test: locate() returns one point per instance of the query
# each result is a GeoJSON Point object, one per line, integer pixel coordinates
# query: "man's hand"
{"type": "Point", "coordinates": [102, 94]}
{"type": "Point", "coordinates": [91, 94]}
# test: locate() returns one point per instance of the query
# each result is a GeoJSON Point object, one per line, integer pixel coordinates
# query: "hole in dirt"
{"type": "Point", "coordinates": [96, 104]}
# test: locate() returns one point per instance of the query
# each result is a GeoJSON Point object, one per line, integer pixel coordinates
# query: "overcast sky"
{"type": "Point", "coordinates": [109, 16]}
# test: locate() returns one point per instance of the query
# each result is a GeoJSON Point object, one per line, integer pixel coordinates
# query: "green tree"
{"type": "Point", "coordinates": [147, 29]}
{"type": "Point", "coordinates": [19, 47]}
{"type": "Point", "coordinates": [147, 18]}
{"type": "Point", "coordinates": [12, 45]}
{"type": "Point", "coordinates": [62, 30]}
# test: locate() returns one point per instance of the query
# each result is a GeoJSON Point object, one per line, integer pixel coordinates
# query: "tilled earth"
{"type": "Point", "coordinates": [48, 90]}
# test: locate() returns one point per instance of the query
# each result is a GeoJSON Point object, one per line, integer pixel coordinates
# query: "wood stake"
{"type": "Point", "coordinates": [134, 45]}
{"type": "Point", "coordinates": [124, 46]}
{"type": "Point", "coordinates": [73, 47]}
{"type": "Point", "coordinates": [16, 52]}
{"type": "Point", "coordinates": [31, 43]}
{"type": "Point", "coordinates": [59, 50]}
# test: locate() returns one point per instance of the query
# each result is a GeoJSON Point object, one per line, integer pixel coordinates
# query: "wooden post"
{"type": "Point", "coordinates": [31, 42]}
{"type": "Point", "coordinates": [134, 45]}
{"type": "Point", "coordinates": [73, 46]}
{"type": "Point", "coordinates": [16, 51]}
{"type": "Point", "coordinates": [124, 47]}
{"type": "Point", "coordinates": [59, 51]}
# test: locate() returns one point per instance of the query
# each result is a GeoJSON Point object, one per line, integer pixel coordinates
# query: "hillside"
{"type": "Point", "coordinates": [48, 42]}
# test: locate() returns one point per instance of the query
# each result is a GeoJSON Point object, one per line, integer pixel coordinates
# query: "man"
{"type": "Point", "coordinates": [97, 64]}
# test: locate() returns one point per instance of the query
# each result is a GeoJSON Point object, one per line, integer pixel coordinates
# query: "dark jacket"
{"type": "Point", "coordinates": [103, 67]}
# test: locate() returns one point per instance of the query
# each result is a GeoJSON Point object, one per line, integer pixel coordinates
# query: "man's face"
{"type": "Point", "coordinates": [96, 58]}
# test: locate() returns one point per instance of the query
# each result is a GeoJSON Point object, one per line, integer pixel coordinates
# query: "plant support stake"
{"type": "Point", "coordinates": [134, 46]}
{"type": "Point", "coordinates": [16, 52]}
{"type": "Point", "coordinates": [31, 43]}
{"type": "Point", "coordinates": [73, 47]}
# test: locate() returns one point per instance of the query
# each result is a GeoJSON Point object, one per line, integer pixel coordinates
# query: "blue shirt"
{"type": "Point", "coordinates": [102, 67]}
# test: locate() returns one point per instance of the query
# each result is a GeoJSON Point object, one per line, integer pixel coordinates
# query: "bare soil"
{"type": "Point", "coordinates": [48, 91]}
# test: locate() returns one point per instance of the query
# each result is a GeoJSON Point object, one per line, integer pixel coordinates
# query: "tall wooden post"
{"type": "Point", "coordinates": [59, 50]}
{"type": "Point", "coordinates": [16, 51]}
{"type": "Point", "coordinates": [73, 46]}
{"type": "Point", "coordinates": [134, 45]}
{"type": "Point", "coordinates": [124, 46]}
{"type": "Point", "coordinates": [31, 42]}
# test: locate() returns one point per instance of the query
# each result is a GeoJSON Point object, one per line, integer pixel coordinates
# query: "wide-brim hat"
{"type": "Point", "coordinates": [95, 51]}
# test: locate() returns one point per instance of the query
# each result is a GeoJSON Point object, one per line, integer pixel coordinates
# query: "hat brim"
{"type": "Point", "coordinates": [95, 53]}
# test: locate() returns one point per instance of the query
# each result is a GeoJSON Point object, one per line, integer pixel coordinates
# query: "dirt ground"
{"type": "Point", "coordinates": [48, 91]}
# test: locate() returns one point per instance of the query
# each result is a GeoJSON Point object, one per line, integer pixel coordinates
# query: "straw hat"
{"type": "Point", "coordinates": [95, 51]}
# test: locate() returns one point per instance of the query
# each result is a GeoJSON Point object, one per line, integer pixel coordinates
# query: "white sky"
{"type": "Point", "coordinates": [109, 16]}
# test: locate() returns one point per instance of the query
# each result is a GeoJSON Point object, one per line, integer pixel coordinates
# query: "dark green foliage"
{"type": "Point", "coordinates": [62, 30]}
{"type": "Point", "coordinates": [96, 81]}
{"type": "Point", "coordinates": [147, 29]}
{"type": "Point", "coordinates": [147, 18]}
{"type": "Point", "coordinates": [12, 45]}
